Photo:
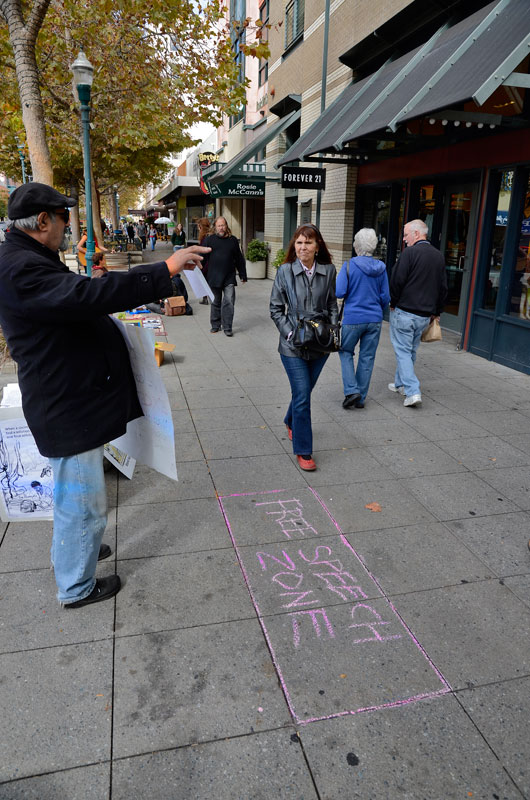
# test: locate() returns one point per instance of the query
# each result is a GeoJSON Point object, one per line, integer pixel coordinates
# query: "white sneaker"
{"type": "Point", "coordinates": [394, 388]}
{"type": "Point", "coordinates": [413, 400]}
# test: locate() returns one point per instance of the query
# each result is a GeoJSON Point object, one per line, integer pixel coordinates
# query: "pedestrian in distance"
{"type": "Point", "coordinates": [142, 233]}
{"type": "Point", "coordinates": [130, 232]}
{"type": "Point", "coordinates": [78, 389]}
{"type": "Point", "coordinates": [418, 288]}
{"type": "Point", "coordinates": [178, 237]}
{"type": "Point", "coordinates": [307, 278]}
{"type": "Point", "coordinates": [363, 284]}
{"type": "Point", "coordinates": [225, 258]}
{"type": "Point", "coordinates": [152, 236]}
{"type": "Point", "coordinates": [203, 230]}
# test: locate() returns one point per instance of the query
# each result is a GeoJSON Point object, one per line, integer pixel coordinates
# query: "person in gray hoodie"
{"type": "Point", "coordinates": [363, 283]}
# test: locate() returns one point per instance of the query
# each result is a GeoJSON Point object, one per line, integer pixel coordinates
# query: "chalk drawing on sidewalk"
{"type": "Point", "coordinates": [337, 641]}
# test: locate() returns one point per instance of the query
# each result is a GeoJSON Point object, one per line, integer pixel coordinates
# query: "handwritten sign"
{"type": "Point", "coordinates": [338, 642]}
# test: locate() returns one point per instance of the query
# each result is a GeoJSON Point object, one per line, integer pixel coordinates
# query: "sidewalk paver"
{"type": "Point", "coordinates": [357, 632]}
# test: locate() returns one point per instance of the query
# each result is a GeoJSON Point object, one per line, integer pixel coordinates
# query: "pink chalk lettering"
{"type": "Point", "coordinates": [371, 626]}
{"type": "Point", "coordinates": [284, 509]}
{"type": "Point", "coordinates": [289, 516]}
{"type": "Point", "coordinates": [316, 625]}
{"type": "Point", "coordinates": [294, 579]}
{"type": "Point", "coordinates": [287, 564]}
{"type": "Point", "coordinates": [299, 526]}
{"type": "Point", "coordinates": [317, 559]}
{"type": "Point", "coordinates": [299, 597]}
{"type": "Point", "coordinates": [343, 584]}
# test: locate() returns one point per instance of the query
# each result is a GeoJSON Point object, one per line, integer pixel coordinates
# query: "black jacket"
{"type": "Point", "coordinates": [222, 262]}
{"type": "Point", "coordinates": [319, 296]}
{"type": "Point", "coordinates": [78, 390]}
{"type": "Point", "coordinates": [419, 283]}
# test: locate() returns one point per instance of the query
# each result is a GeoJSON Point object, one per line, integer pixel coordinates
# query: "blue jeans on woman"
{"type": "Point", "coordinates": [79, 522]}
{"type": "Point", "coordinates": [303, 376]}
{"type": "Point", "coordinates": [357, 381]}
{"type": "Point", "coordinates": [405, 334]}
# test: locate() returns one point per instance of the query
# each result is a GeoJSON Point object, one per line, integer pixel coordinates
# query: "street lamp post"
{"type": "Point", "coordinates": [83, 77]}
{"type": "Point", "coordinates": [20, 148]}
{"type": "Point", "coordinates": [117, 204]}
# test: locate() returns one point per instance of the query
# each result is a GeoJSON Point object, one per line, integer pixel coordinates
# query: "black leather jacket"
{"type": "Point", "coordinates": [319, 296]}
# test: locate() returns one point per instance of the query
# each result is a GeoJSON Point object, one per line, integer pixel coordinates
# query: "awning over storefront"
{"type": "Point", "coordinates": [250, 151]}
{"type": "Point", "coordinates": [465, 62]}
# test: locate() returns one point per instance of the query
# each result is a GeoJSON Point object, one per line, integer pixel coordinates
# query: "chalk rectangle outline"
{"type": "Point", "coordinates": [394, 704]}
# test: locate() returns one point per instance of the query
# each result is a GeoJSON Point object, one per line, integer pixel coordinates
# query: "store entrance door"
{"type": "Point", "coordinates": [456, 244]}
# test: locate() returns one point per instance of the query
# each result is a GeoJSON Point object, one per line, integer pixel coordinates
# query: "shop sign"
{"type": "Point", "coordinates": [238, 188]}
{"type": "Point", "coordinates": [205, 159]}
{"type": "Point", "coordinates": [303, 177]}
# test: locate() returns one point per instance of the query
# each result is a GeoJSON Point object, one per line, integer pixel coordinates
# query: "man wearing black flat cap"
{"type": "Point", "coordinates": [78, 390]}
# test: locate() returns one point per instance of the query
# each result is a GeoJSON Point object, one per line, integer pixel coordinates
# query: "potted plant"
{"type": "Point", "coordinates": [279, 258]}
{"type": "Point", "coordinates": [256, 258]}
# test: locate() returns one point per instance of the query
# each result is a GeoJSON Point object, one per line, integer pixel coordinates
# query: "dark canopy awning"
{"type": "Point", "coordinates": [467, 61]}
{"type": "Point", "coordinates": [257, 144]}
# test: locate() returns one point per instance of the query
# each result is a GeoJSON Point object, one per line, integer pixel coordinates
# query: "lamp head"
{"type": "Point", "coordinates": [83, 72]}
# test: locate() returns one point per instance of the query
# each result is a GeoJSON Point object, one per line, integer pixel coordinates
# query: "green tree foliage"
{"type": "Point", "coordinates": [158, 68]}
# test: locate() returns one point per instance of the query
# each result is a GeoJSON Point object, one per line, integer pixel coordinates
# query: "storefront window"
{"type": "Point", "coordinates": [427, 206]}
{"type": "Point", "coordinates": [376, 215]}
{"type": "Point", "coordinates": [520, 294]}
{"type": "Point", "coordinates": [498, 237]}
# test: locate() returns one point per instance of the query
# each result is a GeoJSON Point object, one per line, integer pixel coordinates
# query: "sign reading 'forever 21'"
{"type": "Point", "coordinates": [303, 177]}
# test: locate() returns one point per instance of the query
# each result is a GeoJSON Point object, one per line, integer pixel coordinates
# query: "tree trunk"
{"type": "Point", "coordinates": [96, 216]}
{"type": "Point", "coordinates": [74, 213]}
{"type": "Point", "coordinates": [22, 38]}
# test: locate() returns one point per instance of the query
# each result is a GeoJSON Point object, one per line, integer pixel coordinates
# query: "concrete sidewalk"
{"type": "Point", "coordinates": [358, 632]}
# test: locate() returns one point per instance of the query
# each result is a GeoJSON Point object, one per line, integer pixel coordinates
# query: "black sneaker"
{"type": "Point", "coordinates": [228, 333]}
{"type": "Point", "coordinates": [215, 330]}
{"type": "Point", "coordinates": [350, 400]}
{"type": "Point", "coordinates": [103, 590]}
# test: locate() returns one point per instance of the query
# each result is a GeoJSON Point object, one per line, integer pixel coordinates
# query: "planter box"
{"type": "Point", "coordinates": [256, 269]}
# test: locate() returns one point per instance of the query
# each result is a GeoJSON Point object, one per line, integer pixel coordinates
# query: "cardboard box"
{"type": "Point", "coordinates": [175, 306]}
{"type": "Point", "coordinates": [160, 349]}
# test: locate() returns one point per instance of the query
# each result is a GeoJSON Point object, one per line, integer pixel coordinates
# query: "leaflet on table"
{"type": "Point", "coordinates": [198, 283]}
{"type": "Point", "coordinates": [149, 439]}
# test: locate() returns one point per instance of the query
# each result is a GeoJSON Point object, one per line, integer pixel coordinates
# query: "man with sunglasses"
{"type": "Point", "coordinates": [78, 389]}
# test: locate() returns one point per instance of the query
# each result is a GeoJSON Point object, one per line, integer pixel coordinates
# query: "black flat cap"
{"type": "Point", "coordinates": [32, 198]}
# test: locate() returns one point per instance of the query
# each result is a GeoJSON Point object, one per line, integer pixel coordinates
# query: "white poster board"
{"type": "Point", "coordinates": [149, 439]}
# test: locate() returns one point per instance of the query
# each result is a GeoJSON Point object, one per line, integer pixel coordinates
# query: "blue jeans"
{"type": "Point", "coordinates": [222, 307]}
{"type": "Point", "coordinates": [405, 334]}
{"type": "Point", "coordinates": [367, 334]}
{"type": "Point", "coordinates": [79, 521]}
{"type": "Point", "coordinates": [303, 376]}
{"type": "Point", "coordinates": [152, 241]}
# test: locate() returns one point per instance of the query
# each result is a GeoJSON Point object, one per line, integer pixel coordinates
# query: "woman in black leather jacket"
{"type": "Point", "coordinates": [307, 278]}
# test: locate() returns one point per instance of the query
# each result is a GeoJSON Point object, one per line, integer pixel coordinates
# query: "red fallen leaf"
{"type": "Point", "coordinates": [373, 507]}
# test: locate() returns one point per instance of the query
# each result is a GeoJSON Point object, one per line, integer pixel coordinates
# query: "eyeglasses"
{"type": "Point", "coordinates": [64, 213]}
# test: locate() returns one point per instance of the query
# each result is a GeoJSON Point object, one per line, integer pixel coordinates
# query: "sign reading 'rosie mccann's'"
{"type": "Point", "coordinates": [238, 188]}
{"type": "Point", "coordinates": [303, 177]}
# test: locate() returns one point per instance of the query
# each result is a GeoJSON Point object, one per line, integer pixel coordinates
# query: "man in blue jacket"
{"type": "Point", "coordinates": [78, 389]}
{"type": "Point", "coordinates": [418, 288]}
